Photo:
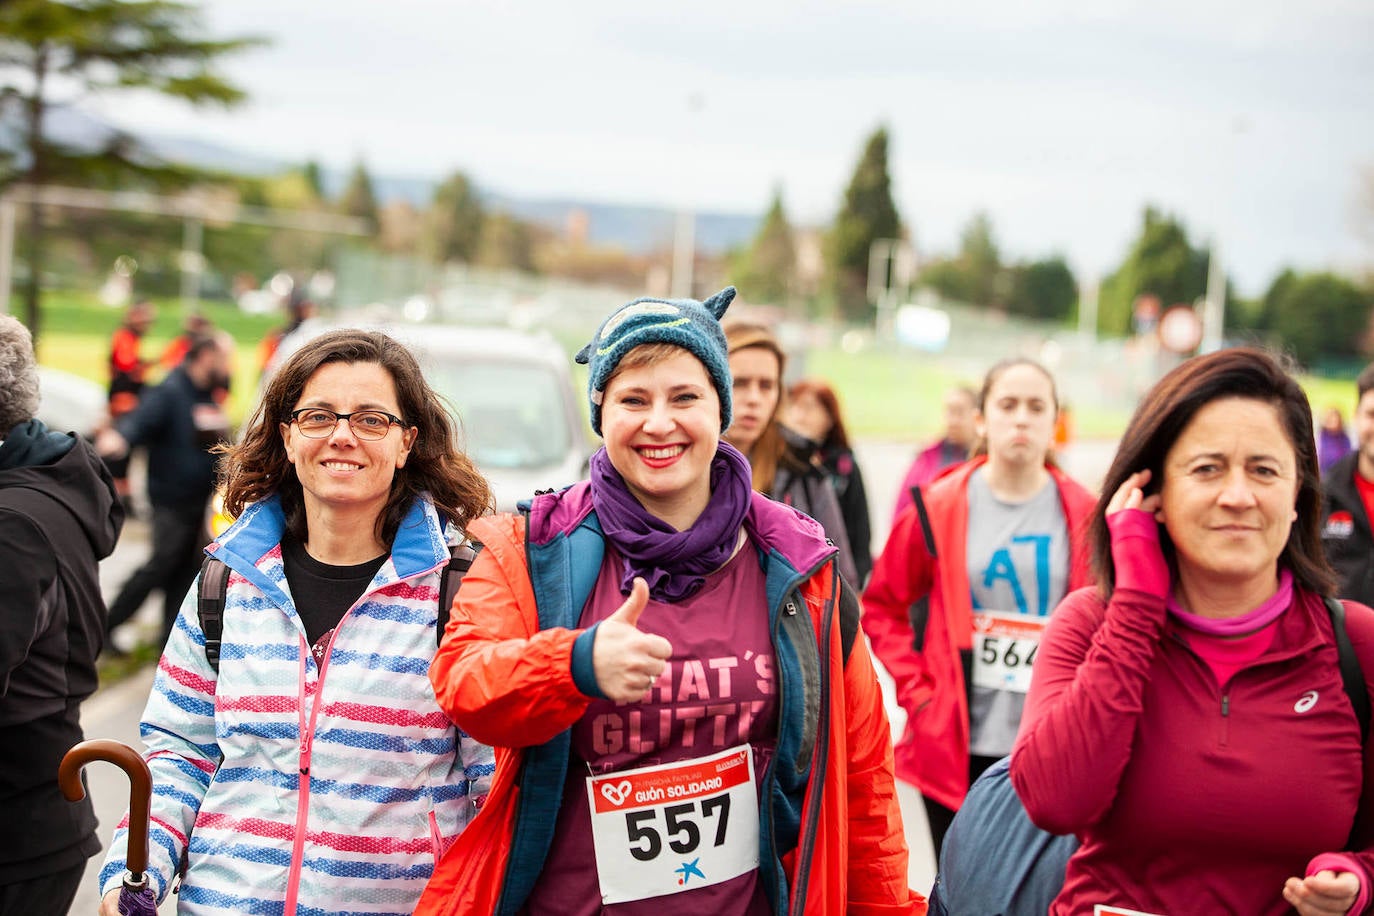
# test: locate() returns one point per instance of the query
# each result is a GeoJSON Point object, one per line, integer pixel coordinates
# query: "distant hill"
{"type": "Point", "coordinates": [634, 228]}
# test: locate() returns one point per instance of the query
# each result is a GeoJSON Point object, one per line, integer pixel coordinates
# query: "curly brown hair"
{"type": "Point", "coordinates": [257, 467]}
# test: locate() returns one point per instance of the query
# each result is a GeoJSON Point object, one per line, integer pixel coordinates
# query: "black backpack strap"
{"type": "Point", "coordinates": [849, 619]}
{"type": "Point", "coordinates": [461, 557]}
{"type": "Point", "coordinates": [1352, 677]}
{"type": "Point", "coordinates": [214, 585]}
{"type": "Point", "coordinates": [919, 612]}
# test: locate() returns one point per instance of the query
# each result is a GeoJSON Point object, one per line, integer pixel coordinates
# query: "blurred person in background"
{"type": "Point", "coordinates": [311, 771]}
{"type": "Point", "coordinates": [59, 516]}
{"type": "Point", "coordinates": [298, 310]}
{"type": "Point", "coordinates": [994, 544]}
{"type": "Point", "coordinates": [180, 423]}
{"type": "Point", "coordinates": [668, 665]}
{"type": "Point", "coordinates": [786, 466]}
{"type": "Point", "coordinates": [954, 445]}
{"type": "Point", "coordinates": [1332, 442]}
{"type": "Point", "coordinates": [128, 372]}
{"type": "Point", "coordinates": [194, 326]}
{"type": "Point", "coordinates": [813, 409]}
{"type": "Point", "coordinates": [1348, 503]}
{"type": "Point", "coordinates": [1188, 719]}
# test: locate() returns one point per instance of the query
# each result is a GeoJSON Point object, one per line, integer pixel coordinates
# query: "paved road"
{"type": "Point", "coordinates": [114, 712]}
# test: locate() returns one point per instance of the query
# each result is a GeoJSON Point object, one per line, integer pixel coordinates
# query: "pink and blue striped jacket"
{"type": "Point", "coordinates": [294, 788]}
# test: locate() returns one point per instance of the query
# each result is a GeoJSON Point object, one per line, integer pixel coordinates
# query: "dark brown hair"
{"type": "Point", "coordinates": [257, 467]}
{"type": "Point", "coordinates": [838, 437]}
{"type": "Point", "coordinates": [767, 451]}
{"type": "Point", "coordinates": [1168, 408]}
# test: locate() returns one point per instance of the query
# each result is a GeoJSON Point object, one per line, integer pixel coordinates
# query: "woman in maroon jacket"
{"type": "Point", "coordinates": [1187, 718]}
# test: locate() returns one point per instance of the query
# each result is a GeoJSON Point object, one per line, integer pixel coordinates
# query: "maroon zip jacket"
{"type": "Point", "coordinates": [1190, 796]}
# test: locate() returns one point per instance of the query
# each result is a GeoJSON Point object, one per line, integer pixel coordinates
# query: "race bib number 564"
{"type": "Point", "coordinates": [675, 827]}
{"type": "Point", "coordinates": [1004, 648]}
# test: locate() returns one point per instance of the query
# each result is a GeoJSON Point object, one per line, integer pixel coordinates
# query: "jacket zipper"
{"type": "Point", "coordinates": [307, 731]}
{"type": "Point", "coordinates": [820, 760]}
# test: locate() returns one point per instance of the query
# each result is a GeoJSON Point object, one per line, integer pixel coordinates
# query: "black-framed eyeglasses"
{"type": "Point", "coordinates": [319, 423]}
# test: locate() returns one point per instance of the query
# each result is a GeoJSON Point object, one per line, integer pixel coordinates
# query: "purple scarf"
{"type": "Point", "coordinates": [674, 563]}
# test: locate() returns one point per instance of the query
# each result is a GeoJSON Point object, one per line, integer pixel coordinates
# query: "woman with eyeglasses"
{"type": "Point", "coordinates": [311, 770]}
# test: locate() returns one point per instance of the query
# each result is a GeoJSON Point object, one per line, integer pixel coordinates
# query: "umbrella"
{"type": "Point", "coordinates": [136, 898]}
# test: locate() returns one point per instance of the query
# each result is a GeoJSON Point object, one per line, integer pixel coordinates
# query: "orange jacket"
{"type": "Point", "coordinates": [933, 754]}
{"type": "Point", "coordinates": [508, 682]}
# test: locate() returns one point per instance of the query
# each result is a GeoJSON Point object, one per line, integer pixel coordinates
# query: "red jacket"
{"type": "Point", "coordinates": [934, 751]}
{"type": "Point", "coordinates": [509, 683]}
{"type": "Point", "coordinates": [1190, 796]}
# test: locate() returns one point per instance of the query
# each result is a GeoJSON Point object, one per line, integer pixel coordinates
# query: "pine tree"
{"type": "Point", "coordinates": [868, 214]}
{"type": "Point", "coordinates": [358, 199]}
{"type": "Point", "coordinates": [765, 271]}
{"type": "Point", "coordinates": [90, 47]}
{"type": "Point", "coordinates": [456, 217]}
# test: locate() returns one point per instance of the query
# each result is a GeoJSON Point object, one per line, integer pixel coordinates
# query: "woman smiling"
{"type": "Point", "coordinates": [306, 767]}
{"type": "Point", "coordinates": [667, 664]}
{"type": "Point", "coordinates": [1188, 718]}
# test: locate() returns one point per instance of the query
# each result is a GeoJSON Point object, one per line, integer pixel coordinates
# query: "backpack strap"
{"type": "Point", "coordinates": [1351, 676]}
{"type": "Point", "coordinates": [849, 619]}
{"type": "Point", "coordinates": [919, 612]}
{"type": "Point", "coordinates": [460, 561]}
{"type": "Point", "coordinates": [214, 585]}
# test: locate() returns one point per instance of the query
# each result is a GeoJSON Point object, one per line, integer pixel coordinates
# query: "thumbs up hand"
{"type": "Point", "coordinates": [626, 660]}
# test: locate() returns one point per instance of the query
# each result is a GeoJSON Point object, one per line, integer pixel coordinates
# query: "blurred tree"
{"type": "Point", "coordinates": [1042, 289]}
{"type": "Point", "coordinates": [82, 47]}
{"type": "Point", "coordinates": [293, 249]}
{"type": "Point", "coordinates": [358, 199]}
{"type": "Point", "coordinates": [506, 242]}
{"type": "Point", "coordinates": [401, 227]}
{"type": "Point", "coordinates": [868, 214]}
{"type": "Point", "coordinates": [764, 270]}
{"type": "Point", "coordinates": [982, 263]}
{"type": "Point", "coordinates": [1319, 315]}
{"type": "Point", "coordinates": [1161, 262]}
{"type": "Point", "coordinates": [454, 226]}
{"type": "Point", "coordinates": [314, 177]}
{"type": "Point", "coordinates": [947, 277]}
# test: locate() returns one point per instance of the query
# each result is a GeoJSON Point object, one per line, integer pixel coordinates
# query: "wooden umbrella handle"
{"type": "Point", "coordinates": [140, 789]}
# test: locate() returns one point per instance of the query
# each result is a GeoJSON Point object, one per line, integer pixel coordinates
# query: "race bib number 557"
{"type": "Point", "coordinates": [675, 827]}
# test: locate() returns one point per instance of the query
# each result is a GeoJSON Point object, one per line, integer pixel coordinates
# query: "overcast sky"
{"type": "Point", "coordinates": [1249, 120]}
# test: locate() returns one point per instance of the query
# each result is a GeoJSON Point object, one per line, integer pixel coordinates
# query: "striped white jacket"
{"type": "Point", "coordinates": [302, 789]}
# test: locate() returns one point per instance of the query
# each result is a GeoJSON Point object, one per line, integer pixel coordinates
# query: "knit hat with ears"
{"type": "Point", "coordinates": [687, 323]}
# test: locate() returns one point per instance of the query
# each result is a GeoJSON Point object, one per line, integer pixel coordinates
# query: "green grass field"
{"type": "Point", "coordinates": [885, 394]}
{"type": "Point", "coordinates": [76, 330]}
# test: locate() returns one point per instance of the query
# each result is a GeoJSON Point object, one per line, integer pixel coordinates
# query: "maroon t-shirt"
{"type": "Point", "coordinates": [717, 692]}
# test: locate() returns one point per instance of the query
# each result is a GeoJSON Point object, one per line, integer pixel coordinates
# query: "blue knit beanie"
{"type": "Point", "coordinates": [686, 323]}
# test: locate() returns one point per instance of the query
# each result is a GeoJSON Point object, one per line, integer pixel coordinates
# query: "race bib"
{"type": "Point", "coordinates": [1004, 647]}
{"type": "Point", "coordinates": [1104, 910]}
{"type": "Point", "coordinates": [675, 827]}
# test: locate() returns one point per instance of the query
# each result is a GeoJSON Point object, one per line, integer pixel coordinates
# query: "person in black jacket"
{"type": "Point", "coordinates": [813, 409]}
{"type": "Point", "coordinates": [59, 516]}
{"type": "Point", "coordinates": [786, 465]}
{"type": "Point", "coordinates": [180, 422]}
{"type": "Point", "coordinates": [1348, 503]}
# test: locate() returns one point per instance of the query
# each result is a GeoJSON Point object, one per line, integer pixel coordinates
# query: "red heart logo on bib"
{"type": "Point", "coordinates": [616, 795]}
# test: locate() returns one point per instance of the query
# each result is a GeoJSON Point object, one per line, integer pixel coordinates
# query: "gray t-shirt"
{"type": "Point", "coordinates": [1018, 571]}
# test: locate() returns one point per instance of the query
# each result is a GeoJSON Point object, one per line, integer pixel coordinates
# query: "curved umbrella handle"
{"type": "Point", "coordinates": [140, 791]}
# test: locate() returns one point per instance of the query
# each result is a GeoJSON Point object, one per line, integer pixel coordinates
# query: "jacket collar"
{"type": "Point", "coordinates": [775, 528]}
